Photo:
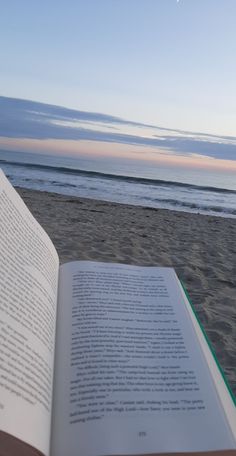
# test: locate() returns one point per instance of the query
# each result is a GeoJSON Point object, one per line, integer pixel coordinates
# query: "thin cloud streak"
{"type": "Point", "coordinates": [34, 120]}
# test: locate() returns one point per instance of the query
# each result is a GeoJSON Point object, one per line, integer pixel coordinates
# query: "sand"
{"type": "Point", "coordinates": [201, 248]}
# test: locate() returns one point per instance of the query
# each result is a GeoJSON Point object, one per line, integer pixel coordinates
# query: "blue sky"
{"type": "Point", "coordinates": [150, 62]}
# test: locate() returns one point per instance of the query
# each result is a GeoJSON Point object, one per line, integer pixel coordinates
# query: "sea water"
{"type": "Point", "coordinates": [125, 181]}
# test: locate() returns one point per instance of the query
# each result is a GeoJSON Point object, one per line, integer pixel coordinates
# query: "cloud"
{"type": "Point", "coordinates": [34, 120]}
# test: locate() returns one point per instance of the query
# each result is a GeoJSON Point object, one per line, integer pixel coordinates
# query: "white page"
{"type": "Point", "coordinates": [28, 295]}
{"type": "Point", "coordinates": [124, 380]}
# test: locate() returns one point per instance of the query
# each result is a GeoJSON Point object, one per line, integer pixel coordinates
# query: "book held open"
{"type": "Point", "coordinates": [100, 358]}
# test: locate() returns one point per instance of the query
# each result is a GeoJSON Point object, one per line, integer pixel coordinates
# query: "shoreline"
{"type": "Point", "coordinates": [201, 248]}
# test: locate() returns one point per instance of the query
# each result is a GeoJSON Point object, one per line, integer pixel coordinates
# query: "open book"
{"type": "Point", "coordinates": [100, 359]}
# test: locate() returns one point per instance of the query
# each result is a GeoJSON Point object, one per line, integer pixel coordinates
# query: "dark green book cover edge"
{"type": "Point", "coordinates": [209, 345]}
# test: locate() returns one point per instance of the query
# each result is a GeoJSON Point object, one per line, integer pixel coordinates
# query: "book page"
{"type": "Point", "coordinates": [130, 376]}
{"type": "Point", "coordinates": [28, 296]}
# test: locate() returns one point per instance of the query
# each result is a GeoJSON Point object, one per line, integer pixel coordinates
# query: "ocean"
{"type": "Point", "coordinates": [125, 181]}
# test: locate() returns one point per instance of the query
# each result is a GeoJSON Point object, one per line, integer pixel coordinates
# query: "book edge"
{"type": "Point", "coordinates": [209, 345]}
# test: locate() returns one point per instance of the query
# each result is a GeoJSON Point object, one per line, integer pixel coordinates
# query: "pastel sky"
{"type": "Point", "coordinates": [147, 79]}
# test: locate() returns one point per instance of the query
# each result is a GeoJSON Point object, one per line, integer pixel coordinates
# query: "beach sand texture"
{"type": "Point", "coordinates": [201, 248]}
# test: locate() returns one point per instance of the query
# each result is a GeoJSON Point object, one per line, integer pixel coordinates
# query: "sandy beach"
{"type": "Point", "coordinates": [201, 249]}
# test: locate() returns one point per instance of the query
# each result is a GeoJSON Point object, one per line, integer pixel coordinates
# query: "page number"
{"type": "Point", "coordinates": [142, 433]}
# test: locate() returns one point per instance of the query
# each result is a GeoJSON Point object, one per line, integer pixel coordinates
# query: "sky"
{"type": "Point", "coordinates": [147, 79]}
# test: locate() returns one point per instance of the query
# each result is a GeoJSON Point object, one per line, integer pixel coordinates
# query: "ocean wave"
{"type": "Point", "coordinates": [148, 200]}
{"type": "Point", "coordinates": [196, 206]}
{"type": "Point", "coordinates": [131, 179]}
